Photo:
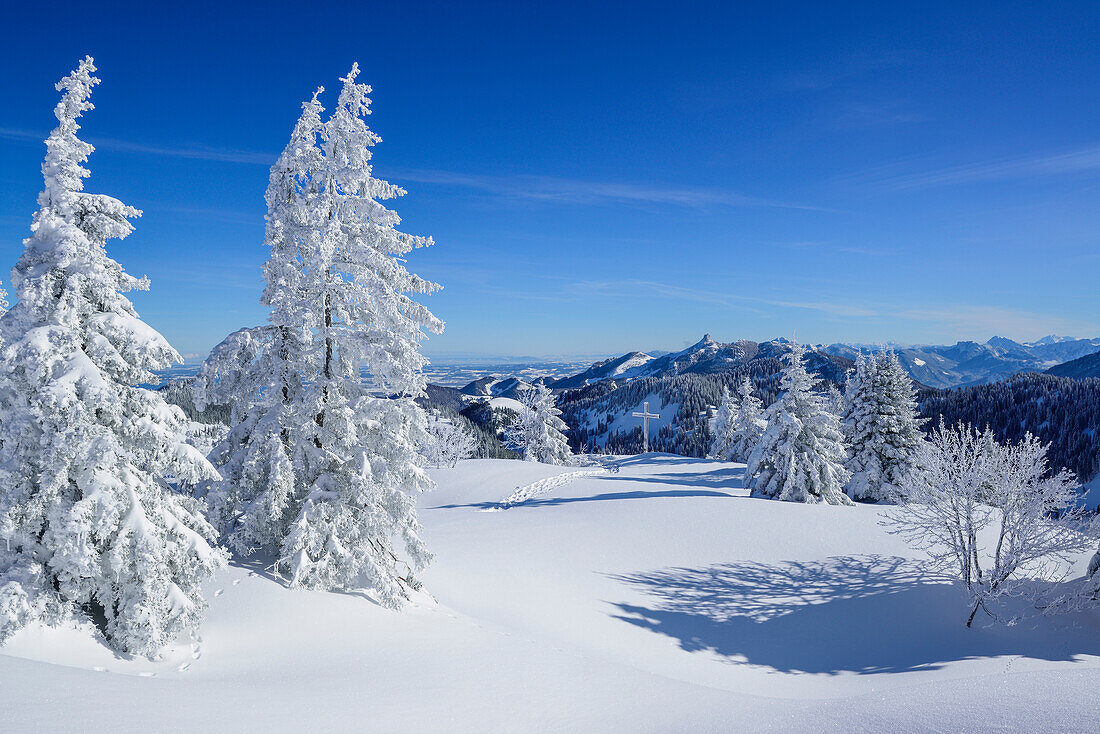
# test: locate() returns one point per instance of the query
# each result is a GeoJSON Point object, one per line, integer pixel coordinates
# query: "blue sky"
{"type": "Point", "coordinates": [606, 177]}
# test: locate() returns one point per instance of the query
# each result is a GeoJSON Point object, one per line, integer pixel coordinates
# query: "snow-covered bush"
{"type": "Point", "coordinates": [88, 523]}
{"type": "Point", "coordinates": [881, 426]}
{"type": "Point", "coordinates": [990, 513]}
{"type": "Point", "coordinates": [321, 467]}
{"type": "Point", "coordinates": [446, 442]}
{"type": "Point", "coordinates": [800, 456]}
{"type": "Point", "coordinates": [537, 431]}
{"type": "Point", "coordinates": [1092, 577]}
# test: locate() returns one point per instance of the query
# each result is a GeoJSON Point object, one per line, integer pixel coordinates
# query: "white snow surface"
{"type": "Point", "coordinates": [659, 598]}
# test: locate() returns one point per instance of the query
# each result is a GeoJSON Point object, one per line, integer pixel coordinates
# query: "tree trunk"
{"type": "Point", "coordinates": [972, 613]}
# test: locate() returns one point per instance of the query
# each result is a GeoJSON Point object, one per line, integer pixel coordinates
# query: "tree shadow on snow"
{"type": "Point", "coordinates": [726, 478]}
{"type": "Point", "coordinates": [262, 565]}
{"type": "Point", "coordinates": [861, 614]}
{"type": "Point", "coordinates": [656, 458]}
{"type": "Point", "coordinates": [704, 484]}
{"type": "Point", "coordinates": [604, 497]}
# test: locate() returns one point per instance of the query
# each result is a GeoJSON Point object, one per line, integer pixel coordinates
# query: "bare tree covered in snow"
{"type": "Point", "coordinates": [537, 431]}
{"type": "Point", "coordinates": [881, 426]}
{"type": "Point", "coordinates": [991, 513]}
{"type": "Point", "coordinates": [800, 456]}
{"type": "Point", "coordinates": [445, 442]}
{"type": "Point", "coordinates": [322, 467]}
{"type": "Point", "coordinates": [88, 521]}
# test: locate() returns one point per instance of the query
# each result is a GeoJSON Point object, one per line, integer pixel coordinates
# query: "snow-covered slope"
{"type": "Point", "coordinates": [493, 386]}
{"type": "Point", "coordinates": [607, 369]}
{"type": "Point", "coordinates": [1080, 368]}
{"type": "Point", "coordinates": [657, 598]}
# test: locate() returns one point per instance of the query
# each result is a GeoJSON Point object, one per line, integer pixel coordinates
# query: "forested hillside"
{"type": "Point", "coordinates": [1062, 411]}
{"type": "Point", "coordinates": [599, 415]}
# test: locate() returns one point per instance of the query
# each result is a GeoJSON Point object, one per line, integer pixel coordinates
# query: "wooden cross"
{"type": "Point", "coordinates": [645, 415]}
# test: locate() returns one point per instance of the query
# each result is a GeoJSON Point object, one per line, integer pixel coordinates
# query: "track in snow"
{"type": "Point", "coordinates": [542, 486]}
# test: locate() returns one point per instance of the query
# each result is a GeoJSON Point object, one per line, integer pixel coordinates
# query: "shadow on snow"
{"type": "Point", "coordinates": [861, 614]}
{"type": "Point", "coordinates": [724, 478]}
{"type": "Point", "coordinates": [604, 497]}
{"type": "Point", "coordinates": [704, 484]}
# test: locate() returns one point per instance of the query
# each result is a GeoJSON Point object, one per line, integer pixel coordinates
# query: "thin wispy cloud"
{"type": "Point", "coordinates": [811, 245]}
{"type": "Point", "coordinates": [951, 323]}
{"type": "Point", "coordinates": [578, 191]}
{"type": "Point", "coordinates": [872, 114]}
{"type": "Point", "coordinates": [620, 288]}
{"type": "Point", "coordinates": [1082, 160]}
{"type": "Point", "coordinates": [227, 216]}
{"type": "Point", "coordinates": [223, 155]}
{"type": "Point", "coordinates": [856, 66]}
{"type": "Point", "coordinates": [964, 321]}
{"type": "Point", "coordinates": [538, 188]}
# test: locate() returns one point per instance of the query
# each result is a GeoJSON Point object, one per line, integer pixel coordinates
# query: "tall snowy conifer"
{"type": "Point", "coordinates": [88, 524]}
{"type": "Point", "coordinates": [722, 428]}
{"type": "Point", "coordinates": [360, 469]}
{"type": "Point", "coordinates": [881, 427]}
{"type": "Point", "coordinates": [258, 371]}
{"type": "Point", "coordinates": [323, 464]}
{"type": "Point", "coordinates": [800, 456]}
{"type": "Point", "coordinates": [748, 422]}
{"type": "Point", "coordinates": [538, 431]}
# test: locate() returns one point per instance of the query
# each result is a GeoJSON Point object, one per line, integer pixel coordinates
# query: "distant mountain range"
{"type": "Point", "coordinates": [971, 363]}
{"type": "Point", "coordinates": [959, 365]}
{"type": "Point", "coordinates": [705, 357]}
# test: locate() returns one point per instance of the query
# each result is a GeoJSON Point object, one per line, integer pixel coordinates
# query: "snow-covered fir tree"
{"type": "Point", "coordinates": [537, 431]}
{"type": "Point", "coordinates": [259, 371]}
{"type": "Point", "coordinates": [360, 468]}
{"type": "Point", "coordinates": [881, 426]}
{"type": "Point", "coordinates": [89, 525]}
{"type": "Point", "coordinates": [800, 457]}
{"type": "Point", "coordinates": [334, 458]}
{"type": "Point", "coordinates": [748, 422]}
{"type": "Point", "coordinates": [834, 400]}
{"type": "Point", "coordinates": [722, 428]}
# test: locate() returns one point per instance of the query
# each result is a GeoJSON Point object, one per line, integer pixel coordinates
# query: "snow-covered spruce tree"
{"type": "Point", "coordinates": [834, 400]}
{"type": "Point", "coordinates": [357, 465]}
{"type": "Point", "coordinates": [722, 428]}
{"type": "Point", "coordinates": [800, 456]}
{"type": "Point", "coordinates": [537, 431]}
{"type": "Point", "coordinates": [88, 523]}
{"type": "Point", "coordinates": [748, 422]}
{"type": "Point", "coordinates": [881, 426]}
{"type": "Point", "coordinates": [258, 371]}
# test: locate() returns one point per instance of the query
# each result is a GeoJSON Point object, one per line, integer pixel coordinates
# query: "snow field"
{"type": "Point", "coordinates": [656, 599]}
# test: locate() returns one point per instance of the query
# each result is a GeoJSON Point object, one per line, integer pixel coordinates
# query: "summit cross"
{"type": "Point", "coordinates": [645, 415]}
